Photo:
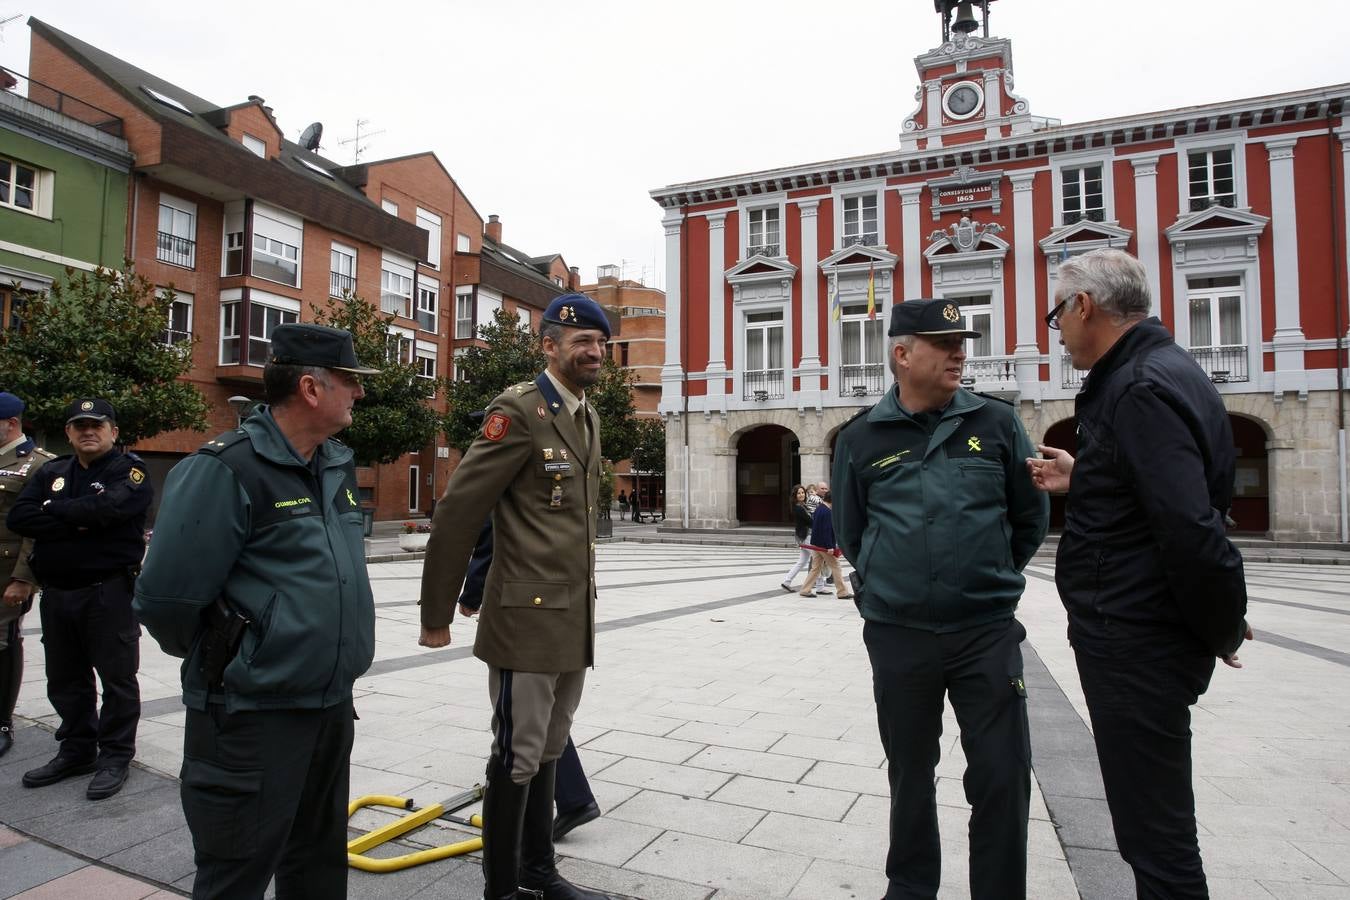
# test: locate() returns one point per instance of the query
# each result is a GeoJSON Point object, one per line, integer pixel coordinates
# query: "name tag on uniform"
{"type": "Point", "coordinates": [558, 467]}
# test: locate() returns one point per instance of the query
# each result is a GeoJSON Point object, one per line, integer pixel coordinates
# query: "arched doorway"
{"type": "Point", "coordinates": [1063, 435]}
{"type": "Point", "coordinates": [766, 466]}
{"type": "Point", "coordinates": [1251, 487]}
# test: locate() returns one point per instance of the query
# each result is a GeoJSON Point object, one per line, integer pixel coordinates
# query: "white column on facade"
{"type": "Point", "coordinates": [933, 117]}
{"type": "Point", "coordinates": [672, 373]}
{"type": "Point", "coordinates": [1146, 223]}
{"type": "Point", "coordinates": [1288, 337]}
{"type": "Point", "coordinates": [717, 313]}
{"type": "Point", "coordinates": [810, 319]}
{"type": "Point", "coordinates": [911, 253]}
{"type": "Point", "coordinates": [993, 103]}
{"type": "Point", "coordinates": [1027, 356]}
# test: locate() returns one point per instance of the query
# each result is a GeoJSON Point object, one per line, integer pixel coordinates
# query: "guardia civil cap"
{"type": "Point", "coordinates": [306, 344]}
{"type": "Point", "coordinates": [577, 311]}
{"type": "Point", "coordinates": [11, 407]}
{"type": "Point", "coordinates": [928, 317]}
{"type": "Point", "coordinates": [95, 408]}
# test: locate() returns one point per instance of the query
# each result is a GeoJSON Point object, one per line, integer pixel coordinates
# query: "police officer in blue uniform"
{"type": "Point", "coordinates": [86, 515]}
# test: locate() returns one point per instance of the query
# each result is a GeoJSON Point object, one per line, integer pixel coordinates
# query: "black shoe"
{"type": "Point", "coordinates": [6, 738]}
{"type": "Point", "coordinates": [565, 822]}
{"type": "Point", "coordinates": [59, 769]}
{"type": "Point", "coordinates": [538, 870]}
{"type": "Point", "coordinates": [106, 782]}
{"type": "Point", "coordinates": [503, 814]}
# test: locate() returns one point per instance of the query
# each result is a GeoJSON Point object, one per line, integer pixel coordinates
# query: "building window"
{"type": "Point", "coordinates": [257, 146]}
{"type": "Point", "coordinates": [18, 185]}
{"type": "Point", "coordinates": [431, 223]}
{"type": "Point", "coordinates": [979, 313]}
{"type": "Point", "coordinates": [1218, 340]}
{"type": "Point", "coordinates": [389, 206]}
{"type": "Point", "coordinates": [1212, 182]}
{"type": "Point", "coordinates": [462, 243]}
{"type": "Point", "coordinates": [860, 220]}
{"type": "Point", "coordinates": [400, 347]}
{"type": "Point", "coordinates": [464, 313]}
{"type": "Point", "coordinates": [428, 296]}
{"type": "Point", "coordinates": [263, 320]}
{"type": "Point", "coordinates": [12, 303]}
{"type": "Point", "coordinates": [414, 486]}
{"type": "Point", "coordinates": [763, 366]}
{"type": "Point", "coordinates": [461, 374]}
{"type": "Point", "coordinates": [177, 240]}
{"type": "Point", "coordinates": [763, 231]}
{"type": "Point", "coordinates": [341, 271]}
{"type": "Point", "coordinates": [396, 286]}
{"type": "Point", "coordinates": [426, 366]}
{"type": "Point", "coordinates": [862, 352]}
{"type": "Point", "coordinates": [1082, 186]}
{"type": "Point", "coordinates": [277, 239]}
{"type": "Point", "coordinates": [621, 354]}
{"type": "Point", "coordinates": [179, 328]}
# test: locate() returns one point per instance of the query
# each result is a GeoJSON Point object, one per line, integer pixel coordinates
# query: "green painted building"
{"type": "Point", "coordinates": [64, 175]}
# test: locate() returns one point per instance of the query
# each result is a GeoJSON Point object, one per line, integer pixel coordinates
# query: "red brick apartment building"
{"type": "Point", "coordinates": [1236, 209]}
{"type": "Point", "coordinates": [252, 231]}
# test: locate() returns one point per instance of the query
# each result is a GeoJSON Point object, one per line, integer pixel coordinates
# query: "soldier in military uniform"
{"type": "Point", "coordinates": [86, 514]}
{"type": "Point", "coordinates": [535, 469]}
{"type": "Point", "coordinates": [20, 458]}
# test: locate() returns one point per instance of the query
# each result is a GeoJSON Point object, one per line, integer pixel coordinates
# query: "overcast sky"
{"type": "Point", "coordinates": [561, 116]}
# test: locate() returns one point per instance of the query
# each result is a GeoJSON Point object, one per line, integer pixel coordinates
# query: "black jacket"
{"type": "Point", "coordinates": [801, 521]}
{"type": "Point", "coordinates": [87, 523]}
{"type": "Point", "coordinates": [1145, 565]}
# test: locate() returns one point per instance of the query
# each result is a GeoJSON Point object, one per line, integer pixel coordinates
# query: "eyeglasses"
{"type": "Point", "coordinates": [1053, 316]}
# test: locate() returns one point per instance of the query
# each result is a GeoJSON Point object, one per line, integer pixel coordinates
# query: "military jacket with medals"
{"type": "Point", "coordinates": [16, 467]}
{"type": "Point", "coordinates": [87, 523]}
{"type": "Point", "coordinates": [528, 469]}
{"type": "Point", "coordinates": [938, 516]}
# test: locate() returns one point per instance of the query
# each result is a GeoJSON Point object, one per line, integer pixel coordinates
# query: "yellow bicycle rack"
{"type": "Point", "coordinates": [357, 847]}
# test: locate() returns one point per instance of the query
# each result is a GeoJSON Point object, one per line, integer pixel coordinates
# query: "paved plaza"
{"type": "Point", "coordinates": [729, 734]}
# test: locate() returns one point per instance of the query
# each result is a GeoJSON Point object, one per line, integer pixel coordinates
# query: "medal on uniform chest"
{"type": "Point", "coordinates": [555, 499]}
{"type": "Point", "coordinates": [548, 453]}
{"type": "Point", "coordinates": [563, 451]}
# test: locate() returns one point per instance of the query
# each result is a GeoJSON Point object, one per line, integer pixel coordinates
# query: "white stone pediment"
{"type": "Point", "coordinates": [760, 268]}
{"type": "Point", "coordinates": [1082, 236]}
{"type": "Point", "coordinates": [1217, 223]}
{"type": "Point", "coordinates": [858, 256]}
{"type": "Point", "coordinates": [945, 250]}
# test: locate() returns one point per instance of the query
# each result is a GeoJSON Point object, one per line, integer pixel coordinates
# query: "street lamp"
{"type": "Point", "coordinates": [240, 406]}
{"type": "Point", "coordinates": [637, 483]}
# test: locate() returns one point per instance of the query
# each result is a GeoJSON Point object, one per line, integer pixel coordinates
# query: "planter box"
{"type": "Point", "coordinates": [411, 542]}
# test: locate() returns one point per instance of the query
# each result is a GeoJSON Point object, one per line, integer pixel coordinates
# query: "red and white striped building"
{"type": "Point", "coordinates": [1237, 210]}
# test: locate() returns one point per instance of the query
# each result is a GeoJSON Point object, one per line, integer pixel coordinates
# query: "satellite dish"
{"type": "Point", "coordinates": [310, 137]}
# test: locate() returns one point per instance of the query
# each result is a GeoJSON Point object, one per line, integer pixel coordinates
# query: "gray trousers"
{"type": "Point", "coordinates": [531, 717]}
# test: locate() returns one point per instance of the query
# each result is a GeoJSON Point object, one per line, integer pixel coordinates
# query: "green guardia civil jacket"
{"type": "Point", "coordinates": [938, 526]}
{"type": "Point", "coordinates": [244, 519]}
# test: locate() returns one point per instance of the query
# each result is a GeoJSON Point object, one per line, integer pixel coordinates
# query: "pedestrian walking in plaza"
{"type": "Point", "coordinates": [824, 553]}
{"type": "Point", "coordinates": [20, 460]}
{"type": "Point", "coordinates": [813, 495]}
{"type": "Point", "coordinates": [535, 469]}
{"type": "Point", "coordinates": [801, 528]}
{"type": "Point", "coordinates": [256, 577]}
{"type": "Point", "coordinates": [935, 509]}
{"type": "Point", "coordinates": [623, 505]}
{"type": "Point", "coordinates": [86, 515]}
{"type": "Point", "coordinates": [1154, 589]}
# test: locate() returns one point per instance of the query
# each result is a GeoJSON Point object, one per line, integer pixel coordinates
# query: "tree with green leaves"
{"type": "Point", "coordinates": [101, 334]}
{"type": "Point", "coordinates": [395, 416]}
{"type": "Point", "coordinates": [649, 446]}
{"type": "Point", "coordinates": [512, 355]}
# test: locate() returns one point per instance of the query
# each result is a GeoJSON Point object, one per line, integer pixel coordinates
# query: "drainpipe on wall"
{"type": "Point", "coordinates": [684, 372]}
{"type": "Point", "coordinates": [1339, 305]}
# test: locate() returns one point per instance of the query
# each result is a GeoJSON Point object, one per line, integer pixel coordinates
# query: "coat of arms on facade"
{"type": "Point", "coordinates": [965, 235]}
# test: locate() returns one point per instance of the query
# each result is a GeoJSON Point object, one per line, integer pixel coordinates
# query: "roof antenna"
{"type": "Point", "coordinates": [359, 141]}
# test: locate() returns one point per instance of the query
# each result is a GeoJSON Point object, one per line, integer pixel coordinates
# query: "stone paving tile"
{"type": "Point", "coordinates": [126, 820]}
{"type": "Point", "coordinates": [829, 880]}
{"type": "Point", "coordinates": [1334, 857]}
{"type": "Point", "coordinates": [1284, 822]}
{"type": "Point", "coordinates": [698, 860]}
{"type": "Point", "coordinates": [644, 746]}
{"type": "Point", "coordinates": [648, 775]}
{"type": "Point", "coordinates": [164, 858]}
{"type": "Point", "coordinates": [90, 882]}
{"type": "Point", "coordinates": [698, 712]}
{"type": "Point", "coordinates": [806, 726]}
{"type": "Point", "coordinates": [1299, 891]}
{"type": "Point", "coordinates": [725, 736]}
{"type": "Point", "coordinates": [28, 864]}
{"type": "Point", "coordinates": [858, 845]}
{"type": "Point", "coordinates": [642, 723]}
{"type": "Point", "coordinates": [1298, 792]}
{"type": "Point", "coordinates": [834, 751]}
{"type": "Point", "coordinates": [608, 840]}
{"type": "Point", "coordinates": [628, 883]}
{"type": "Point", "coordinates": [778, 796]}
{"type": "Point", "coordinates": [749, 762]}
{"type": "Point", "coordinates": [1262, 859]}
{"type": "Point", "coordinates": [858, 779]}
{"type": "Point", "coordinates": [9, 837]}
{"type": "Point", "coordinates": [689, 815]}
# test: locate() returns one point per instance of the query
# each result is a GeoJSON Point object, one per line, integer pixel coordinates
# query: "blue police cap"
{"type": "Point", "coordinates": [11, 407]}
{"type": "Point", "coordinates": [928, 317]}
{"type": "Point", "coordinates": [577, 311]}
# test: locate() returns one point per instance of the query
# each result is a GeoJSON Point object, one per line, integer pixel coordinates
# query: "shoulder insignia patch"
{"type": "Point", "coordinates": [136, 476]}
{"type": "Point", "coordinates": [58, 483]}
{"type": "Point", "coordinates": [496, 427]}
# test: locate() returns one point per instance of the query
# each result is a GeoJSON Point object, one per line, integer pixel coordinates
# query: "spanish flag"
{"type": "Point", "coordinates": [835, 309]}
{"type": "Point", "coordinates": [872, 292]}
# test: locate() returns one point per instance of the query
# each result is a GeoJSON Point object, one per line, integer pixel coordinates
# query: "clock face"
{"type": "Point", "coordinates": [963, 100]}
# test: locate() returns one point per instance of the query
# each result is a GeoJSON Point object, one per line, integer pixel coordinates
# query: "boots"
{"type": "Point", "coordinates": [503, 813]}
{"type": "Point", "coordinates": [11, 675]}
{"type": "Point", "coordinates": [538, 871]}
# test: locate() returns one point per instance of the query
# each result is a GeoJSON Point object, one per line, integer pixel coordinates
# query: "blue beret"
{"type": "Point", "coordinates": [577, 311]}
{"type": "Point", "coordinates": [10, 406]}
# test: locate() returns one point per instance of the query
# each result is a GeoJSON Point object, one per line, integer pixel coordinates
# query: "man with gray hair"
{"type": "Point", "coordinates": [1153, 587]}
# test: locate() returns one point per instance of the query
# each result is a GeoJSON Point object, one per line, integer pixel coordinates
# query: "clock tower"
{"type": "Point", "coordinates": [965, 90]}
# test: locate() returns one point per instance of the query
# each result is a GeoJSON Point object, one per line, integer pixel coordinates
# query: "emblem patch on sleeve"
{"type": "Point", "coordinates": [136, 476]}
{"type": "Point", "coordinates": [496, 426]}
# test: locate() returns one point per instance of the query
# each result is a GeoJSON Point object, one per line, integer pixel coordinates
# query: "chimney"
{"type": "Point", "coordinates": [493, 229]}
{"type": "Point", "coordinates": [574, 282]}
